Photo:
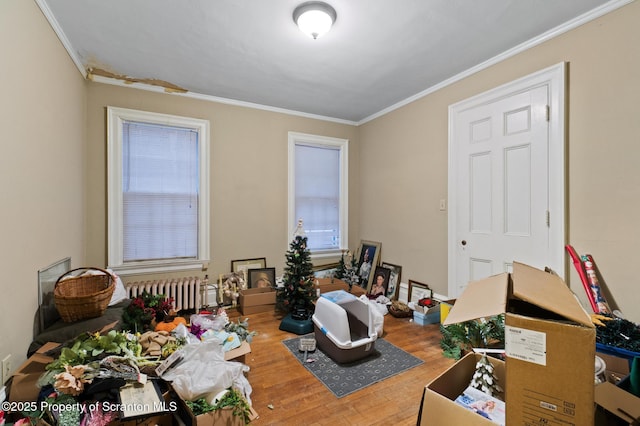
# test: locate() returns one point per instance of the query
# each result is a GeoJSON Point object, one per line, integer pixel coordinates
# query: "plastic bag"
{"type": "Point", "coordinates": [210, 322]}
{"type": "Point", "coordinates": [203, 372]}
{"type": "Point", "coordinates": [378, 311]}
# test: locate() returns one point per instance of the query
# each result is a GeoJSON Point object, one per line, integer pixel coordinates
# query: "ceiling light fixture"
{"type": "Point", "coordinates": [314, 18]}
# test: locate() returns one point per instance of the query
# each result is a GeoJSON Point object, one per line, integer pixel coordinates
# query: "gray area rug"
{"type": "Point", "coordinates": [386, 361]}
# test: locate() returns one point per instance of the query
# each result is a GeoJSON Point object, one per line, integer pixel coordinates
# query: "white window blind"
{"type": "Point", "coordinates": [318, 191]}
{"type": "Point", "coordinates": [317, 195]}
{"type": "Point", "coordinates": [160, 192]}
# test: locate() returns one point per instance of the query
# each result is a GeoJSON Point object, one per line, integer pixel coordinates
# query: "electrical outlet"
{"type": "Point", "coordinates": [6, 368]}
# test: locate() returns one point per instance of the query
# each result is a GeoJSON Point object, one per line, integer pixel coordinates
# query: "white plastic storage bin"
{"type": "Point", "coordinates": [344, 326]}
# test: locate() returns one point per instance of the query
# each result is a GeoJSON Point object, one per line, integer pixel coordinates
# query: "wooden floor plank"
{"type": "Point", "coordinates": [298, 398]}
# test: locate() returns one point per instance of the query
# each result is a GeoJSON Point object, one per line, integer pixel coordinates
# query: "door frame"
{"type": "Point", "coordinates": [554, 78]}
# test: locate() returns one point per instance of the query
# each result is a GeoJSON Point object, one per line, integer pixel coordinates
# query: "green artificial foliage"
{"type": "Point", "coordinates": [233, 399]}
{"type": "Point", "coordinates": [241, 328]}
{"type": "Point", "coordinates": [298, 293]}
{"type": "Point", "coordinates": [462, 337]}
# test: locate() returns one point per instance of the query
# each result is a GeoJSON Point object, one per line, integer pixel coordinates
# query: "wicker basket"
{"type": "Point", "coordinates": [79, 295]}
{"type": "Point", "coordinates": [400, 310]}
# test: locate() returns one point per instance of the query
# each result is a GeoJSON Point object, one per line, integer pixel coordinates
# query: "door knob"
{"type": "Point", "coordinates": [463, 242]}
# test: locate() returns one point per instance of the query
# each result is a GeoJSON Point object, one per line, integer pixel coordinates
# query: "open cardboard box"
{"type": "Point", "coordinates": [256, 300]}
{"type": "Point", "coordinates": [427, 315]}
{"type": "Point", "coordinates": [214, 418]}
{"type": "Point", "coordinates": [238, 354]}
{"type": "Point", "coordinates": [24, 381]}
{"type": "Point", "coordinates": [438, 402]}
{"type": "Point", "coordinates": [223, 416]}
{"type": "Point", "coordinates": [617, 403]}
{"type": "Point", "coordinates": [549, 344]}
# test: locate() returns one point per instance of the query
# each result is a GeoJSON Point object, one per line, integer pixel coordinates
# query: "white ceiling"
{"type": "Point", "coordinates": [380, 54]}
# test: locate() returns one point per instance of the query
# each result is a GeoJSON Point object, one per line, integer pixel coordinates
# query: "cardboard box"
{"type": "Point", "coordinates": [218, 417]}
{"type": "Point", "coordinates": [221, 417]}
{"type": "Point", "coordinates": [155, 420]}
{"type": "Point", "coordinates": [239, 353]}
{"type": "Point", "coordinates": [332, 284]}
{"type": "Point", "coordinates": [424, 316]}
{"type": "Point", "coordinates": [550, 344]}
{"type": "Point", "coordinates": [617, 367]}
{"type": "Point", "coordinates": [23, 382]}
{"type": "Point", "coordinates": [256, 300]}
{"type": "Point", "coordinates": [620, 406]}
{"type": "Point", "coordinates": [438, 401]}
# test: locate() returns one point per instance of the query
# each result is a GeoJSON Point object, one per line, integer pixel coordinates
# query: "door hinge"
{"type": "Point", "coordinates": [548, 112]}
{"type": "Point", "coordinates": [548, 218]}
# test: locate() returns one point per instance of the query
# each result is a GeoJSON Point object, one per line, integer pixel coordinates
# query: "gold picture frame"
{"type": "Point", "coordinates": [243, 264]}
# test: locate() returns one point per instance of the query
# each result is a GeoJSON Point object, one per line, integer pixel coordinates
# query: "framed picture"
{"type": "Point", "coordinates": [262, 277]}
{"type": "Point", "coordinates": [380, 281]}
{"type": "Point", "coordinates": [245, 264]}
{"type": "Point", "coordinates": [325, 271]}
{"type": "Point", "coordinates": [368, 256]}
{"type": "Point", "coordinates": [47, 278]}
{"type": "Point", "coordinates": [394, 280]}
{"type": "Point", "coordinates": [418, 291]}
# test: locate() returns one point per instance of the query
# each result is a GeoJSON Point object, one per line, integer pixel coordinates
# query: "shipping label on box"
{"type": "Point", "coordinates": [526, 345]}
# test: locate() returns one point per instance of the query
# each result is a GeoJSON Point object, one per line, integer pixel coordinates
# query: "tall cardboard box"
{"type": "Point", "coordinates": [550, 344]}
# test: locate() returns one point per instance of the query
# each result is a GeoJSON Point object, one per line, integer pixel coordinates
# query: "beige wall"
{"type": "Point", "coordinates": [42, 117]}
{"type": "Point", "coordinates": [404, 159]}
{"type": "Point", "coordinates": [248, 173]}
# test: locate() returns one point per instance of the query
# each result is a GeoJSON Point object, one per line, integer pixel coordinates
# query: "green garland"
{"type": "Point", "coordinates": [461, 337]}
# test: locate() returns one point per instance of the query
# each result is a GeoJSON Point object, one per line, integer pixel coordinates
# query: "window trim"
{"type": "Point", "coordinates": [295, 138]}
{"type": "Point", "coordinates": [115, 118]}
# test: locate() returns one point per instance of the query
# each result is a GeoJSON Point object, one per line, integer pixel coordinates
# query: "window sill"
{"type": "Point", "coordinates": [145, 268]}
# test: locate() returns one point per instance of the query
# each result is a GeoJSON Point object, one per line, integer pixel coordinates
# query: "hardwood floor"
{"type": "Point", "coordinates": [298, 398]}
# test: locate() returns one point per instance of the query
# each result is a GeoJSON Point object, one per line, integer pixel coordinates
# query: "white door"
{"type": "Point", "coordinates": [500, 199]}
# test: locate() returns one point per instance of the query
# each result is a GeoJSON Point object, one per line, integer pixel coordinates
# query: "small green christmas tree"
{"type": "Point", "coordinates": [297, 294]}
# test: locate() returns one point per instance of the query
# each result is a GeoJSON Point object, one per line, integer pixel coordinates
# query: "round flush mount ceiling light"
{"type": "Point", "coordinates": [314, 18]}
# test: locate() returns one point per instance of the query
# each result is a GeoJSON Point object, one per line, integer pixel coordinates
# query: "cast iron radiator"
{"type": "Point", "coordinates": [184, 291]}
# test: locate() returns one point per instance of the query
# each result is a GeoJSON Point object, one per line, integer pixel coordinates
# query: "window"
{"type": "Point", "coordinates": [158, 191]}
{"type": "Point", "coordinates": [318, 170]}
